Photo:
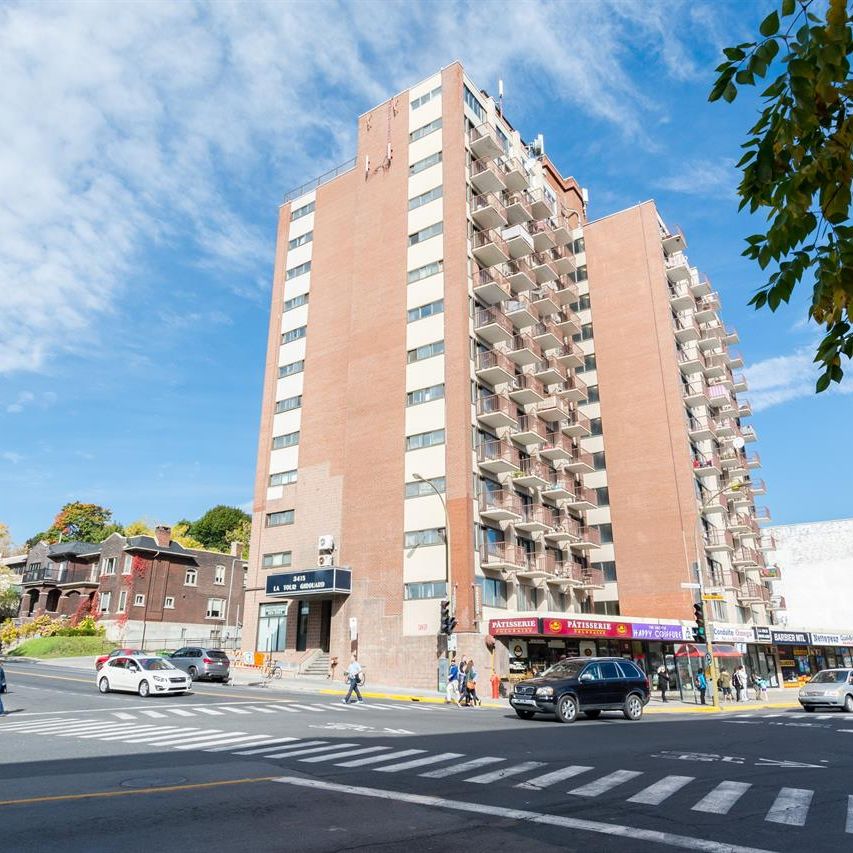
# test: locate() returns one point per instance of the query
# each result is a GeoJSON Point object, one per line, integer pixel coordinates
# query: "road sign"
{"type": "Point", "coordinates": [451, 643]}
{"type": "Point", "coordinates": [713, 596]}
{"type": "Point", "coordinates": [708, 658]}
{"type": "Point", "coordinates": [690, 586]}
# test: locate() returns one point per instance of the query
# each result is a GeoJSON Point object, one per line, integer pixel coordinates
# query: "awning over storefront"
{"type": "Point", "coordinates": [314, 582]}
{"type": "Point", "coordinates": [699, 650]}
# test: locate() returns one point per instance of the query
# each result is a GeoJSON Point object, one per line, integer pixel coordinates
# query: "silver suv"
{"type": "Point", "coordinates": [202, 663]}
{"type": "Point", "coordinates": [830, 688]}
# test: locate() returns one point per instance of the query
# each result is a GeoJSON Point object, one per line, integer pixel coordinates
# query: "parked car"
{"type": "Point", "coordinates": [202, 663]}
{"type": "Point", "coordinates": [142, 674]}
{"type": "Point", "coordinates": [114, 653]}
{"type": "Point", "coordinates": [588, 685]}
{"type": "Point", "coordinates": [830, 688]}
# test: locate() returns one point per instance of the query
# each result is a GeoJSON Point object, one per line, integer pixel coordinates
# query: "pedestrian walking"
{"type": "Point", "coordinates": [763, 688]}
{"type": "Point", "coordinates": [739, 682]}
{"type": "Point", "coordinates": [701, 685]}
{"type": "Point", "coordinates": [2, 689]}
{"type": "Point", "coordinates": [452, 694]}
{"type": "Point", "coordinates": [354, 675]}
{"type": "Point", "coordinates": [471, 685]}
{"type": "Point", "coordinates": [463, 671]}
{"type": "Point", "coordinates": [663, 682]}
{"type": "Point", "coordinates": [757, 683]}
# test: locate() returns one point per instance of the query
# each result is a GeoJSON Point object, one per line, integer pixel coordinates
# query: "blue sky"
{"type": "Point", "coordinates": [144, 150]}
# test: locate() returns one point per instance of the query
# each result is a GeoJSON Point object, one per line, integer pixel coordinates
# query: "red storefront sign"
{"type": "Point", "coordinates": [513, 627]}
{"type": "Point", "coordinates": [586, 628]}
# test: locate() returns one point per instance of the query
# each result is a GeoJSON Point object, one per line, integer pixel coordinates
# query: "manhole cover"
{"type": "Point", "coordinates": [153, 781]}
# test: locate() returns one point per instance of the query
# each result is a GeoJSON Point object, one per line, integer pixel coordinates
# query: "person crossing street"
{"type": "Point", "coordinates": [354, 678]}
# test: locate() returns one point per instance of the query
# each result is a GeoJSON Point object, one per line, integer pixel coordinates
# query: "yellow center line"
{"type": "Point", "coordinates": [157, 790]}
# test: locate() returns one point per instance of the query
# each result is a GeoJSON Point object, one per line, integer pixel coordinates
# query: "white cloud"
{"type": "Point", "coordinates": [11, 456]}
{"type": "Point", "coordinates": [123, 125]}
{"type": "Point", "coordinates": [703, 177]}
{"type": "Point", "coordinates": [25, 399]}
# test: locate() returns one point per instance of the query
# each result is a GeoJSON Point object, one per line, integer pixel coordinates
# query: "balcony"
{"type": "Point", "coordinates": [680, 297]}
{"type": "Point", "coordinates": [501, 505]}
{"type": "Point", "coordinates": [543, 267]}
{"type": "Point", "coordinates": [686, 328]}
{"type": "Point", "coordinates": [488, 176]}
{"type": "Point", "coordinates": [523, 350]}
{"type": "Point", "coordinates": [563, 259]}
{"type": "Point", "coordinates": [777, 602]}
{"type": "Point", "coordinates": [543, 236]}
{"type": "Point", "coordinates": [502, 556]}
{"type": "Point", "coordinates": [719, 540]}
{"type": "Point", "coordinates": [488, 211]}
{"type": "Point", "coordinates": [677, 268]}
{"type": "Point", "coordinates": [674, 241]}
{"type": "Point", "coordinates": [739, 384]}
{"type": "Point", "coordinates": [568, 322]}
{"type": "Point", "coordinates": [706, 465]}
{"type": "Point", "coordinates": [489, 248]}
{"type": "Point", "coordinates": [494, 368]}
{"type": "Point", "coordinates": [547, 335]}
{"type": "Point", "coordinates": [757, 487]}
{"type": "Point", "coordinates": [580, 463]}
{"type": "Point", "coordinates": [733, 461]}
{"type": "Point", "coordinates": [518, 240]}
{"type": "Point", "coordinates": [743, 557]}
{"type": "Point", "coordinates": [588, 538]}
{"type": "Point", "coordinates": [491, 286]}
{"type": "Point", "coordinates": [536, 520]}
{"type": "Point", "coordinates": [562, 230]}
{"type": "Point", "coordinates": [45, 575]}
{"type": "Point", "coordinates": [558, 487]}
{"type": "Point", "coordinates": [558, 448]}
{"type": "Point", "coordinates": [577, 425]}
{"type": "Point", "coordinates": [583, 499]}
{"type": "Point", "coordinates": [701, 428]}
{"type": "Point", "coordinates": [552, 409]}
{"type": "Point", "coordinates": [590, 578]}
{"type": "Point", "coordinates": [744, 409]}
{"type": "Point", "coordinates": [696, 392]}
{"type": "Point", "coordinates": [574, 390]}
{"type": "Point", "coordinates": [544, 300]}
{"type": "Point", "coordinates": [532, 474]}
{"type": "Point", "coordinates": [734, 358]}
{"type": "Point", "coordinates": [525, 389]}
{"type": "Point", "coordinates": [716, 365]}
{"type": "Point", "coordinates": [766, 541]}
{"type": "Point", "coordinates": [515, 177]}
{"type": "Point", "coordinates": [541, 205]}
{"type": "Point", "coordinates": [753, 461]}
{"type": "Point", "coordinates": [690, 360]}
{"type": "Point", "coordinates": [564, 528]}
{"type": "Point", "coordinates": [520, 275]}
{"type": "Point", "coordinates": [498, 457]}
{"type": "Point", "coordinates": [520, 311]}
{"type": "Point", "coordinates": [700, 285]}
{"type": "Point", "coordinates": [566, 291]}
{"type": "Point", "coordinates": [569, 355]}
{"type": "Point", "coordinates": [748, 433]}
{"type": "Point", "coordinates": [742, 523]}
{"type": "Point", "coordinates": [719, 395]}
{"type": "Point", "coordinates": [549, 371]}
{"type": "Point", "coordinates": [493, 326]}
{"type": "Point", "coordinates": [707, 308]}
{"type": "Point", "coordinates": [751, 593]}
{"type": "Point", "coordinates": [529, 432]}
{"type": "Point", "coordinates": [496, 411]}
{"type": "Point", "coordinates": [483, 142]}
{"type": "Point", "coordinates": [79, 576]}
{"type": "Point", "coordinates": [517, 206]}
{"type": "Point", "coordinates": [716, 505]}
{"type": "Point", "coordinates": [762, 515]}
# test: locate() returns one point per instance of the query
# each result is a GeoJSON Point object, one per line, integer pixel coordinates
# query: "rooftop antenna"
{"type": "Point", "coordinates": [501, 97]}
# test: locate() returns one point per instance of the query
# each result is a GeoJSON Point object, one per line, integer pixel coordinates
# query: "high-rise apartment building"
{"type": "Point", "coordinates": [473, 393]}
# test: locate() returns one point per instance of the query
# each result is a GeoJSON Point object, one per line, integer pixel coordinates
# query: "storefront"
{"type": "Point", "coordinates": [794, 653]}
{"type": "Point", "coordinates": [832, 650]}
{"type": "Point", "coordinates": [692, 658]}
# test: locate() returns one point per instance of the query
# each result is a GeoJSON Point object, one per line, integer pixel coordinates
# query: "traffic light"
{"type": "Point", "coordinates": [699, 617]}
{"type": "Point", "coordinates": [448, 623]}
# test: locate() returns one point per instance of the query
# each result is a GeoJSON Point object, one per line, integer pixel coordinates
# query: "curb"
{"type": "Point", "coordinates": [403, 697]}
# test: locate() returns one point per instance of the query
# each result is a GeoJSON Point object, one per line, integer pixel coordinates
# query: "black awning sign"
{"type": "Point", "coordinates": [314, 582]}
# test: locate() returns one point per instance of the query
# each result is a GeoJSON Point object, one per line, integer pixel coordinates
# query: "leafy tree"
{"type": "Point", "coordinates": [140, 527]}
{"type": "Point", "coordinates": [213, 527]}
{"type": "Point", "coordinates": [798, 165]}
{"type": "Point", "coordinates": [181, 535]}
{"type": "Point", "coordinates": [38, 537]}
{"type": "Point", "coordinates": [242, 533]}
{"type": "Point", "coordinates": [84, 522]}
{"type": "Point", "coordinates": [10, 594]}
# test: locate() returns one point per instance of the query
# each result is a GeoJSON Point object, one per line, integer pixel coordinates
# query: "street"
{"type": "Point", "coordinates": [287, 770]}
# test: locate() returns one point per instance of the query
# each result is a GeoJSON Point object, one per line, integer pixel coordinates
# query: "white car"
{"type": "Point", "coordinates": [142, 674]}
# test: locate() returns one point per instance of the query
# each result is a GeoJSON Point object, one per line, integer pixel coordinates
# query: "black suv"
{"type": "Point", "coordinates": [591, 685]}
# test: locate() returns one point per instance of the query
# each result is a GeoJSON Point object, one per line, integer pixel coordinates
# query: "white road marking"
{"type": "Point", "coordinates": [248, 740]}
{"type": "Point", "coordinates": [123, 716]}
{"type": "Point", "coordinates": [152, 729]}
{"type": "Point", "coordinates": [497, 775]}
{"type": "Point", "coordinates": [124, 728]}
{"type": "Point", "coordinates": [722, 798]}
{"type": "Point", "coordinates": [632, 833]}
{"type": "Point", "coordinates": [310, 751]}
{"type": "Point", "coordinates": [283, 745]}
{"type": "Point", "coordinates": [212, 712]}
{"type": "Point", "coordinates": [106, 728]}
{"type": "Point", "coordinates": [464, 767]}
{"type": "Point", "coordinates": [376, 759]}
{"type": "Point", "coordinates": [849, 827]}
{"type": "Point", "coordinates": [303, 707]}
{"type": "Point", "coordinates": [347, 754]}
{"type": "Point", "coordinates": [158, 731]}
{"type": "Point", "coordinates": [178, 736]}
{"type": "Point", "coordinates": [214, 740]}
{"type": "Point", "coordinates": [260, 709]}
{"type": "Point", "coordinates": [284, 708]}
{"type": "Point", "coordinates": [181, 712]}
{"type": "Point", "coordinates": [234, 710]}
{"type": "Point", "coordinates": [791, 806]}
{"type": "Point", "coordinates": [33, 725]}
{"type": "Point", "coordinates": [605, 783]}
{"type": "Point", "coordinates": [824, 716]}
{"type": "Point", "coordinates": [539, 782]}
{"type": "Point", "coordinates": [655, 794]}
{"type": "Point", "coordinates": [419, 762]}
{"type": "Point", "coordinates": [154, 714]}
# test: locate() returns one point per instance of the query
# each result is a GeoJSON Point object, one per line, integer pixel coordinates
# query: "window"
{"type": "Point", "coordinates": [293, 335]}
{"type": "Point", "coordinates": [425, 439]}
{"type": "Point", "coordinates": [169, 602]}
{"type": "Point", "coordinates": [425, 395]}
{"type": "Point", "coordinates": [428, 310]}
{"type": "Point", "coordinates": [598, 460]}
{"type": "Point", "coordinates": [425, 198]}
{"type": "Point", "coordinates": [301, 240]}
{"type": "Point", "coordinates": [606, 608]}
{"type": "Point", "coordinates": [219, 575]}
{"type": "Point", "coordinates": [494, 592]}
{"type": "Point", "coordinates": [289, 404]}
{"type": "Point", "coordinates": [274, 561]}
{"type": "Point", "coordinates": [127, 568]}
{"type": "Point", "coordinates": [104, 604]}
{"type": "Point", "coordinates": [556, 600]}
{"type": "Point", "coordinates": [139, 600]}
{"type": "Point", "coordinates": [586, 331]}
{"type": "Point", "coordinates": [430, 536]}
{"type": "Point", "coordinates": [602, 496]}
{"type": "Point", "coordinates": [425, 99]}
{"type": "Point", "coordinates": [583, 301]}
{"type": "Point", "coordinates": [592, 394]}
{"type": "Point", "coordinates": [424, 589]}
{"type": "Point", "coordinates": [528, 597]}
{"type": "Point", "coordinates": [589, 361]}
{"type": "Point", "coordinates": [595, 426]}
{"type": "Point", "coordinates": [284, 478]}
{"type": "Point", "coordinates": [502, 138]}
{"type": "Point", "coordinates": [474, 104]}
{"type": "Point", "coordinates": [425, 233]}
{"type": "Point", "coordinates": [291, 369]}
{"type": "Point", "coordinates": [425, 351]}
{"type": "Point", "coordinates": [418, 488]}
{"type": "Point", "coordinates": [301, 269]}
{"type": "Point", "coordinates": [606, 531]}
{"type": "Point", "coordinates": [277, 519]}
{"type": "Point", "coordinates": [122, 601]}
{"type": "Point", "coordinates": [191, 577]}
{"type": "Point", "coordinates": [426, 130]}
{"type": "Point", "coordinates": [580, 274]}
{"type": "Point", "coordinates": [215, 608]}
{"type": "Point", "coordinates": [302, 211]}
{"type": "Point", "coordinates": [421, 165]}
{"type": "Point", "coordinates": [287, 440]}
{"type": "Point", "coordinates": [425, 272]}
{"type": "Point", "coordinates": [272, 627]}
{"type": "Point", "coordinates": [296, 302]}
{"type": "Point", "coordinates": [108, 566]}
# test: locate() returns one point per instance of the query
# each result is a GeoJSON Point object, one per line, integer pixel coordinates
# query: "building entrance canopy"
{"type": "Point", "coordinates": [314, 582]}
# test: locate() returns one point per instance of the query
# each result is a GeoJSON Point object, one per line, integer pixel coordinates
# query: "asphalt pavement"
{"type": "Point", "coordinates": [293, 770]}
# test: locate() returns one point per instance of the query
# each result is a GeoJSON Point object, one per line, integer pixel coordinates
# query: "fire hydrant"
{"type": "Point", "coordinates": [496, 685]}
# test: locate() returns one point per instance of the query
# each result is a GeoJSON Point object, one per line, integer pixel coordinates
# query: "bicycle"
{"type": "Point", "coordinates": [271, 670]}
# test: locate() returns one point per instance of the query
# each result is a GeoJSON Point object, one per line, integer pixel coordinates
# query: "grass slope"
{"type": "Point", "coordinates": [62, 647]}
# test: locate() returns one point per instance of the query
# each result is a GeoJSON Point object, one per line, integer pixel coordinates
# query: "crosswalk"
{"type": "Point", "coordinates": [844, 722]}
{"type": "Point", "coordinates": [790, 806]}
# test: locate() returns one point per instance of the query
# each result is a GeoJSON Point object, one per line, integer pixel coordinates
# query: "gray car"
{"type": "Point", "coordinates": [830, 688]}
{"type": "Point", "coordinates": [202, 663]}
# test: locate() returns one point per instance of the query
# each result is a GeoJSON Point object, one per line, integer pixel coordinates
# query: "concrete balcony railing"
{"type": "Point", "coordinates": [501, 505]}
{"type": "Point", "coordinates": [498, 456]}
{"type": "Point", "coordinates": [719, 540]}
{"type": "Point", "coordinates": [484, 142]}
{"type": "Point", "coordinates": [496, 411]}
{"type": "Point", "coordinates": [492, 286]}
{"type": "Point", "coordinates": [493, 325]}
{"type": "Point", "coordinates": [503, 555]}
